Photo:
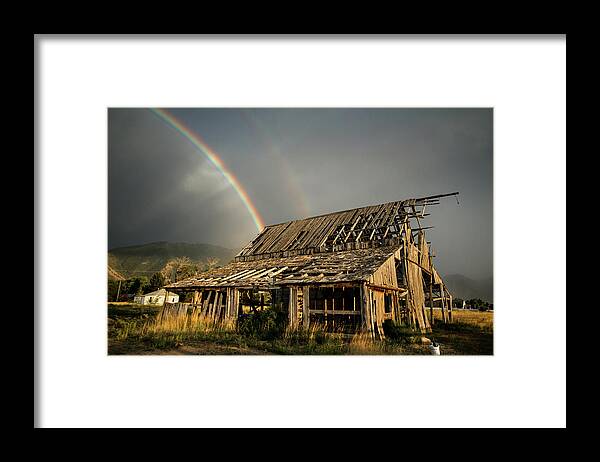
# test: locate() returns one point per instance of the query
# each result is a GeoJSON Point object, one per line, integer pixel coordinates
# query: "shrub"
{"type": "Point", "coordinates": [399, 333]}
{"type": "Point", "coordinates": [265, 324]}
{"type": "Point", "coordinates": [394, 331]}
{"type": "Point", "coordinates": [320, 337]}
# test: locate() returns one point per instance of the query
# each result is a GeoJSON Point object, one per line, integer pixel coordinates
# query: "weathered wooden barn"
{"type": "Point", "coordinates": [348, 270]}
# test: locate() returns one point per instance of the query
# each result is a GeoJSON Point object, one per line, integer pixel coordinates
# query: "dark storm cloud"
{"type": "Point", "coordinates": [298, 161]}
{"type": "Point", "coordinates": [162, 188]}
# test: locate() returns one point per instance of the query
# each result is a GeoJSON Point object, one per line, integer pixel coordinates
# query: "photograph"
{"type": "Point", "coordinates": [300, 231]}
{"type": "Point", "coordinates": [242, 231]}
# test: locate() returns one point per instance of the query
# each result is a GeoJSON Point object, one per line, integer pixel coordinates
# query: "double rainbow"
{"type": "Point", "coordinates": [215, 159]}
{"type": "Point", "coordinates": [294, 189]}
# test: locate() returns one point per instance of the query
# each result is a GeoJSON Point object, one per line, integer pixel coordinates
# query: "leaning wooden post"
{"type": "Point", "coordinates": [443, 300]}
{"type": "Point", "coordinates": [373, 308]}
{"type": "Point", "coordinates": [216, 314]}
{"type": "Point", "coordinates": [431, 291]}
{"type": "Point", "coordinates": [292, 307]}
{"type": "Point", "coordinates": [118, 291]}
{"type": "Point", "coordinates": [206, 302]}
{"type": "Point", "coordinates": [450, 310]}
{"type": "Point", "coordinates": [333, 310]}
{"type": "Point", "coordinates": [231, 306]}
{"type": "Point", "coordinates": [195, 299]}
{"type": "Point", "coordinates": [305, 307]}
{"type": "Point", "coordinates": [365, 309]}
{"type": "Point", "coordinates": [216, 304]}
{"type": "Point", "coordinates": [239, 304]}
{"type": "Point", "coordinates": [211, 303]}
{"type": "Point", "coordinates": [228, 303]}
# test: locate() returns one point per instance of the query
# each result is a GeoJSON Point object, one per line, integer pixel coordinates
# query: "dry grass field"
{"type": "Point", "coordinates": [137, 330]}
{"type": "Point", "coordinates": [481, 319]}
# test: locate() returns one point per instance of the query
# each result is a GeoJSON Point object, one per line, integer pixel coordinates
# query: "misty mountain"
{"type": "Point", "coordinates": [466, 288]}
{"type": "Point", "coordinates": [147, 259]}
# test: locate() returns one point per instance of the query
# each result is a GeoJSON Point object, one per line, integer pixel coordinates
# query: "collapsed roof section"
{"type": "Point", "coordinates": [364, 227]}
{"type": "Point", "coordinates": [322, 268]}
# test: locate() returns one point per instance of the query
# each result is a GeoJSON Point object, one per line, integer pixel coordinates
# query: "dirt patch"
{"type": "Point", "coordinates": [127, 347]}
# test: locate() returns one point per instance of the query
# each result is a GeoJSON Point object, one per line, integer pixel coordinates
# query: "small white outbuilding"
{"type": "Point", "coordinates": [156, 298]}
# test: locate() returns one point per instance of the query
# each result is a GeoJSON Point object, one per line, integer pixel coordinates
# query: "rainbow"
{"type": "Point", "coordinates": [215, 159]}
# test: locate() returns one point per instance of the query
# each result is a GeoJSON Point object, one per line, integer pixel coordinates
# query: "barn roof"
{"type": "Point", "coordinates": [373, 225]}
{"type": "Point", "coordinates": [346, 246]}
{"type": "Point", "coordinates": [323, 268]}
{"type": "Point", "coordinates": [156, 293]}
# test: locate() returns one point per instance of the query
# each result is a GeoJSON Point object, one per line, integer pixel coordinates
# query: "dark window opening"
{"type": "Point", "coordinates": [388, 303]}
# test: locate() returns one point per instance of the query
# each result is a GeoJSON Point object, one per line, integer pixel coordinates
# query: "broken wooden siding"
{"type": "Point", "coordinates": [416, 290]}
{"type": "Point", "coordinates": [385, 275]}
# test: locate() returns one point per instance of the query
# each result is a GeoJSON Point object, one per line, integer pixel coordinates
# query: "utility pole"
{"type": "Point", "coordinates": [118, 290]}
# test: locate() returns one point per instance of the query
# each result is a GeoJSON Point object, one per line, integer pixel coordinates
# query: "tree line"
{"type": "Point", "coordinates": [174, 270]}
{"type": "Point", "coordinates": [472, 303]}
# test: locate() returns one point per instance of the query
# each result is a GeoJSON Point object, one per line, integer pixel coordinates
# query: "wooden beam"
{"type": "Point", "coordinates": [418, 199]}
{"type": "Point", "coordinates": [414, 262]}
{"type": "Point", "coordinates": [365, 308]}
{"type": "Point", "coordinates": [432, 321]}
{"type": "Point", "coordinates": [237, 275]}
{"type": "Point", "coordinates": [292, 308]}
{"type": "Point", "coordinates": [259, 274]}
{"type": "Point", "coordinates": [244, 274]}
{"type": "Point", "coordinates": [217, 308]}
{"type": "Point", "coordinates": [367, 220]}
{"type": "Point", "coordinates": [384, 288]}
{"type": "Point", "coordinates": [338, 235]}
{"type": "Point", "coordinates": [345, 312]}
{"type": "Point", "coordinates": [444, 313]}
{"type": "Point", "coordinates": [280, 270]}
{"type": "Point", "coordinates": [305, 307]}
{"type": "Point", "coordinates": [352, 228]}
{"type": "Point", "coordinates": [230, 304]}
{"type": "Point", "coordinates": [206, 302]}
{"type": "Point", "coordinates": [372, 314]}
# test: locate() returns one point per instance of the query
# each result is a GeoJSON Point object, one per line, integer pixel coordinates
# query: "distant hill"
{"type": "Point", "coordinates": [467, 288]}
{"type": "Point", "coordinates": [146, 259]}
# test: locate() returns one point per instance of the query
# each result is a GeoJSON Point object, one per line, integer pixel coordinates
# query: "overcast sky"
{"type": "Point", "coordinates": [295, 163]}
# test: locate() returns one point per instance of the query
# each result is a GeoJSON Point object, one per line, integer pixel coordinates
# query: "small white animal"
{"type": "Point", "coordinates": [434, 348]}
